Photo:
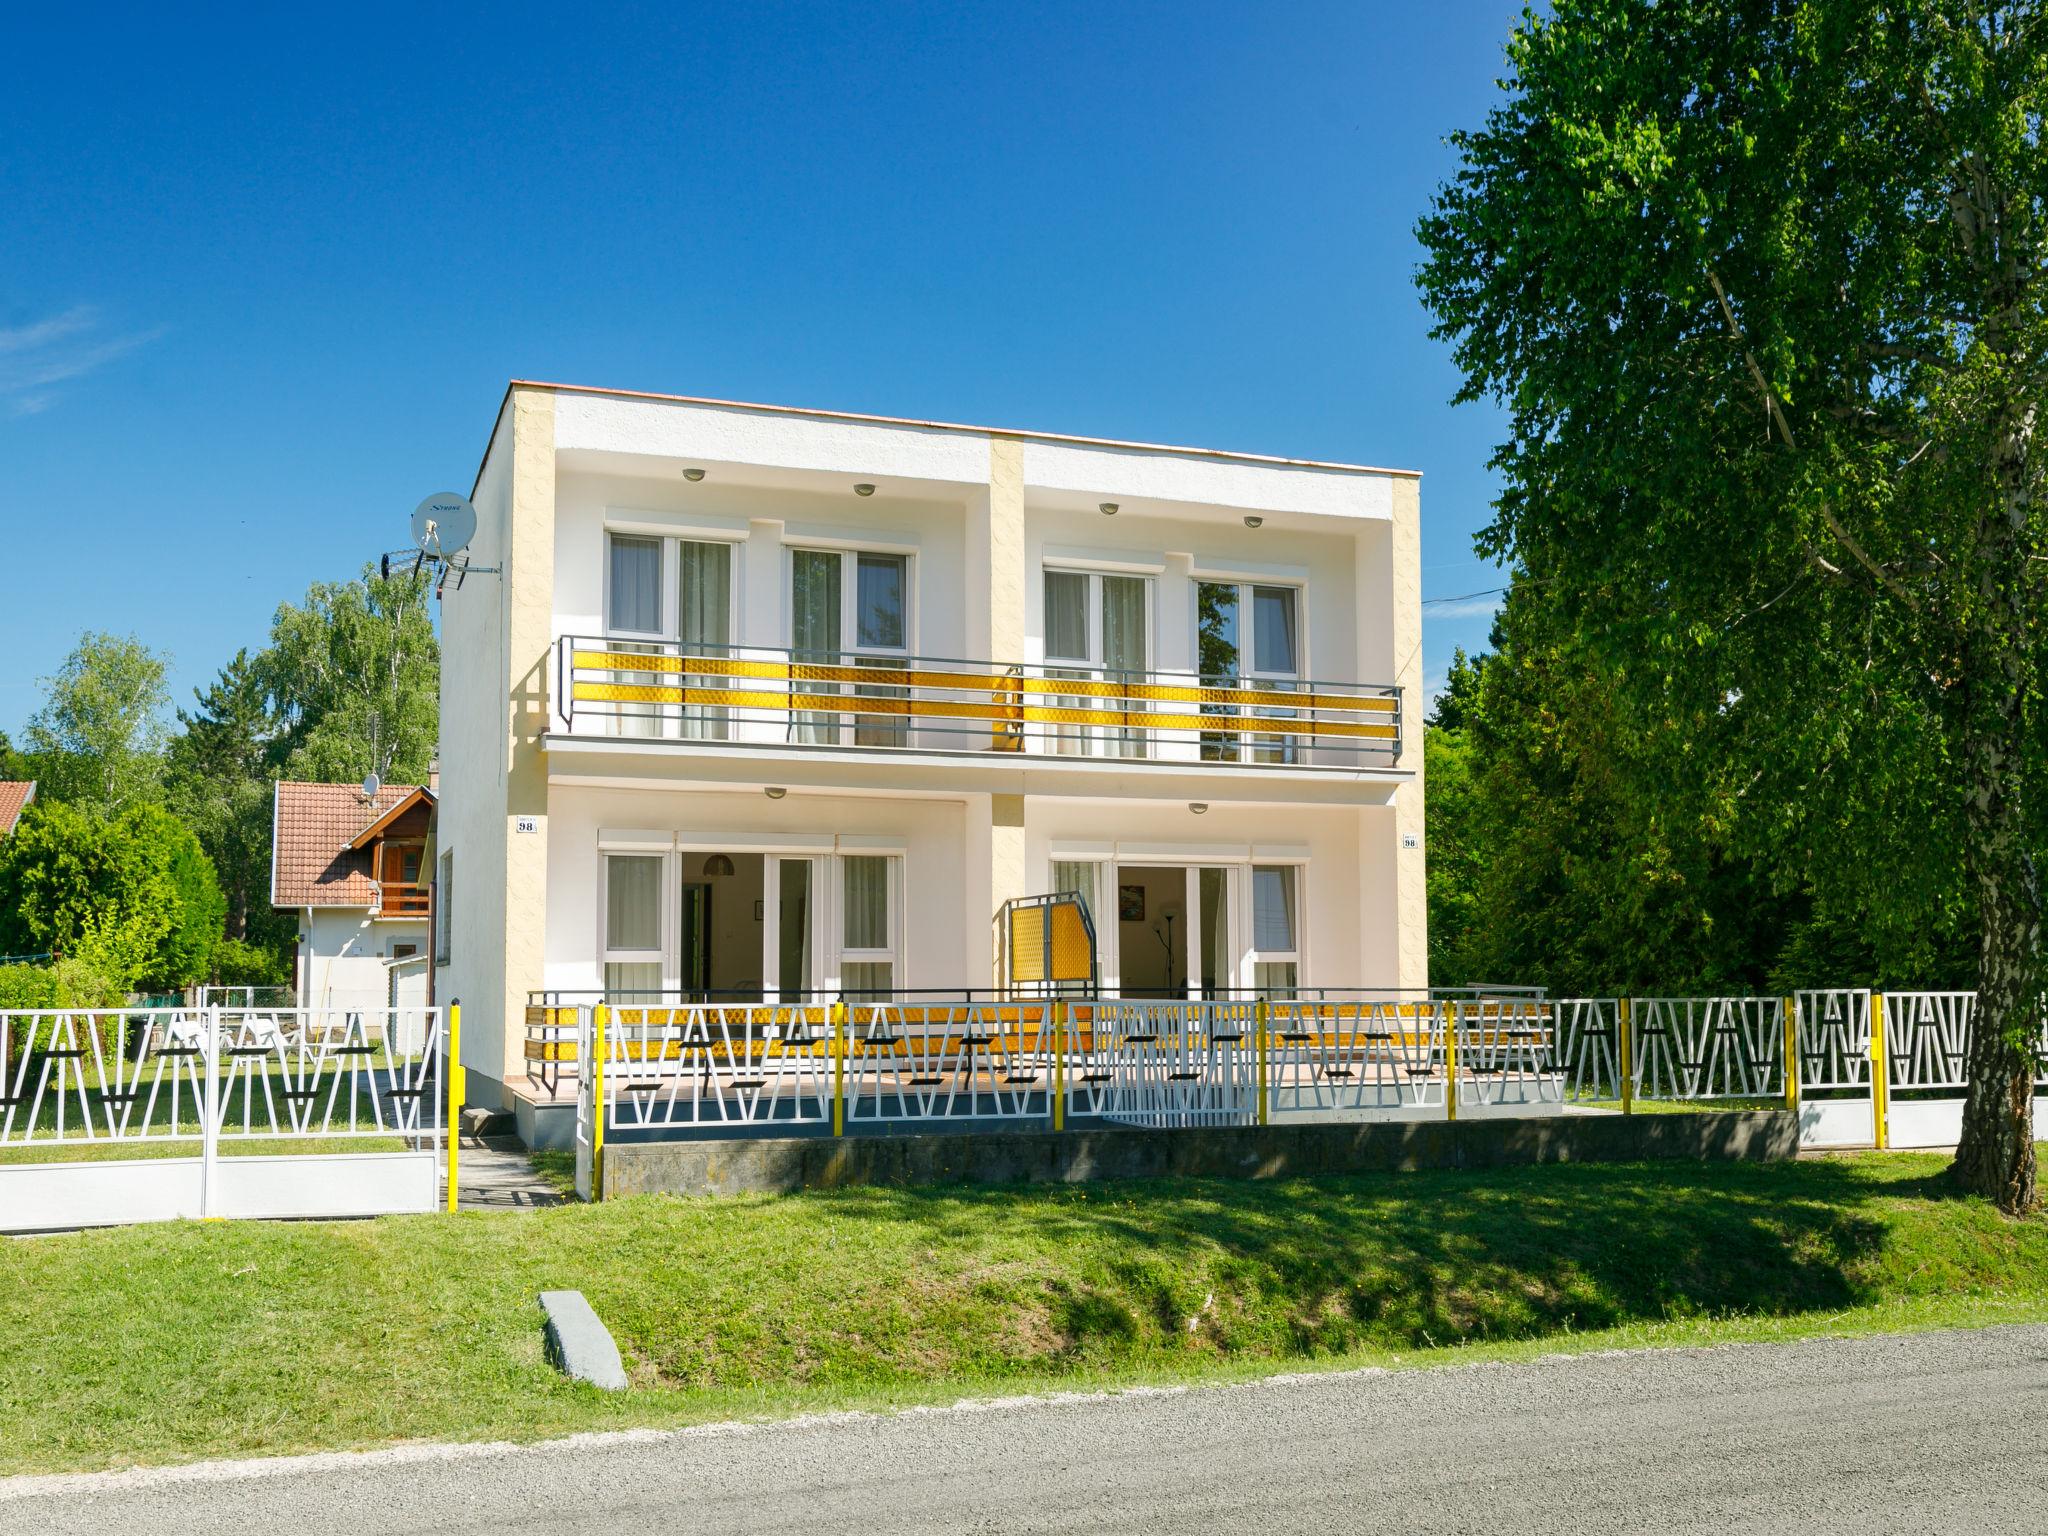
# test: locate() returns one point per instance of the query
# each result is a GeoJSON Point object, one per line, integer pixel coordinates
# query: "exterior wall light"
{"type": "Point", "coordinates": [863, 489]}
{"type": "Point", "coordinates": [1254, 522]}
{"type": "Point", "coordinates": [1199, 807]}
{"type": "Point", "coordinates": [693, 474]}
{"type": "Point", "coordinates": [1108, 509]}
{"type": "Point", "coordinates": [774, 791]}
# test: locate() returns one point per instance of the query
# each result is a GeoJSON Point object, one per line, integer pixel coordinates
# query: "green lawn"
{"type": "Point", "coordinates": [231, 1339]}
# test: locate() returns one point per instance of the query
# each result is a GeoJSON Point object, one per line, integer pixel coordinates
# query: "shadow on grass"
{"type": "Point", "coordinates": [1422, 1259]}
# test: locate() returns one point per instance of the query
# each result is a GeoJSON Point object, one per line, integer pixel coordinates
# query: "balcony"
{"type": "Point", "coordinates": [720, 697]}
{"type": "Point", "coordinates": [403, 898]}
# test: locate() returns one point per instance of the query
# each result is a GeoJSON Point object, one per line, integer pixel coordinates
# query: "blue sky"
{"type": "Point", "coordinates": [263, 277]}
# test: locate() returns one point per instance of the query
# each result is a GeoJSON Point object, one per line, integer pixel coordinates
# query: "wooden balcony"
{"type": "Point", "coordinates": [403, 898]}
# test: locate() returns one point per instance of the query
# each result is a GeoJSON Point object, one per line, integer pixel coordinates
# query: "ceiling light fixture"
{"type": "Point", "coordinates": [863, 489]}
{"type": "Point", "coordinates": [1200, 808]}
{"type": "Point", "coordinates": [774, 791]}
{"type": "Point", "coordinates": [718, 866]}
{"type": "Point", "coordinates": [1108, 509]}
{"type": "Point", "coordinates": [693, 474]}
{"type": "Point", "coordinates": [1254, 522]}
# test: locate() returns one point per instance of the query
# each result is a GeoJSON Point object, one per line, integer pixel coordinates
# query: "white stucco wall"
{"type": "Point", "coordinates": [470, 815]}
{"type": "Point", "coordinates": [343, 953]}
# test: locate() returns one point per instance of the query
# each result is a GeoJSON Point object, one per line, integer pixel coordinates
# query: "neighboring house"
{"type": "Point", "coordinates": [15, 795]}
{"type": "Point", "coordinates": [775, 703]}
{"type": "Point", "coordinates": [356, 870]}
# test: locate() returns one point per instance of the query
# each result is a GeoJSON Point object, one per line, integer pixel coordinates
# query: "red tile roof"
{"type": "Point", "coordinates": [15, 795]}
{"type": "Point", "coordinates": [311, 864]}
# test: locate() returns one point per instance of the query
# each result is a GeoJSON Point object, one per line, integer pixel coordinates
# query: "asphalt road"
{"type": "Point", "coordinates": [1934, 1432]}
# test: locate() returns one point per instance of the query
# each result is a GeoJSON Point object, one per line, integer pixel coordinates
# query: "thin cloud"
{"type": "Point", "coordinates": [59, 349]}
{"type": "Point", "coordinates": [1465, 608]}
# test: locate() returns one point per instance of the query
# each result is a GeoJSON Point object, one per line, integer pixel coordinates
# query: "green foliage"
{"type": "Point", "coordinates": [1762, 290]}
{"type": "Point", "coordinates": [218, 777]}
{"type": "Point", "coordinates": [27, 986]}
{"type": "Point", "coordinates": [237, 963]}
{"type": "Point", "coordinates": [1727, 267]}
{"type": "Point", "coordinates": [354, 676]}
{"type": "Point", "coordinates": [98, 738]}
{"type": "Point", "coordinates": [131, 898]}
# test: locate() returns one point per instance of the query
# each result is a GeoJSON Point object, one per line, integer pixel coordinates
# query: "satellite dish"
{"type": "Point", "coordinates": [370, 787]}
{"type": "Point", "coordinates": [444, 524]}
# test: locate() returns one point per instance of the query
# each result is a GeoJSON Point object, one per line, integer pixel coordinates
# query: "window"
{"type": "Point", "coordinates": [850, 610]}
{"type": "Point", "coordinates": [687, 612]}
{"type": "Point", "coordinates": [1078, 877]}
{"type": "Point", "coordinates": [867, 952]}
{"type": "Point", "coordinates": [632, 926]}
{"type": "Point", "coordinates": [1276, 928]}
{"type": "Point", "coordinates": [1096, 628]}
{"type": "Point", "coordinates": [1269, 658]}
{"type": "Point", "coordinates": [444, 909]}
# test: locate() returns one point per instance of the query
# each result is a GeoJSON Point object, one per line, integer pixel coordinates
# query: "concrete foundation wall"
{"type": "Point", "coordinates": [1250, 1152]}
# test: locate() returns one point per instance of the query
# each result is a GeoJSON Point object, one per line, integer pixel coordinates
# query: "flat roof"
{"type": "Point", "coordinates": [1026, 434]}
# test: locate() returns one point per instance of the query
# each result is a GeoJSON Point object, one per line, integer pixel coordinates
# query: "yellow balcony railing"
{"type": "Point", "coordinates": [664, 691]}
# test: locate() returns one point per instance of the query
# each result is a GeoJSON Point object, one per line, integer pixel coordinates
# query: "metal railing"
{"type": "Point", "coordinates": [85, 1078]}
{"type": "Point", "coordinates": [663, 690]}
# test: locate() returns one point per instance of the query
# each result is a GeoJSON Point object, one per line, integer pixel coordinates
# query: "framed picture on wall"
{"type": "Point", "coordinates": [1130, 903]}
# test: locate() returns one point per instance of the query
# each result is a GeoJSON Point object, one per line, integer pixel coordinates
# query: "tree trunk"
{"type": "Point", "coordinates": [1995, 1156]}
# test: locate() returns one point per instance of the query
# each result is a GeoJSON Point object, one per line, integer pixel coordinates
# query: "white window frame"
{"type": "Point", "coordinates": [1093, 740]}
{"type": "Point", "coordinates": [1274, 750]}
{"type": "Point", "coordinates": [892, 906]}
{"type": "Point", "coordinates": [849, 652]}
{"type": "Point", "coordinates": [671, 578]}
{"type": "Point", "coordinates": [666, 890]}
{"type": "Point", "coordinates": [1255, 957]}
{"type": "Point", "coordinates": [773, 983]}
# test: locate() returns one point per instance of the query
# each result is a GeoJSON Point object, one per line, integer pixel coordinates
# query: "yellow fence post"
{"type": "Point", "coordinates": [1626, 1040]}
{"type": "Point", "coordinates": [451, 1063]}
{"type": "Point", "coordinates": [1880, 1076]}
{"type": "Point", "coordinates": [839, 1068]}
{"type": "Point", "coordinates": [1450, 1017]}
{"type": "Point", "coordinates": [597, 1054]}
{"type": "Point", "coordinates": [1262, 1018]}
{"type": "Point", "coordinates": [1791, 1053]}
{"type": "Point", "coordinates": [1059, 1065]}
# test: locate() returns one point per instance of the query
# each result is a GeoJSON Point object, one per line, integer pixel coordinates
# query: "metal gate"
{"type": "Point", "coordinates": [125, 1115]}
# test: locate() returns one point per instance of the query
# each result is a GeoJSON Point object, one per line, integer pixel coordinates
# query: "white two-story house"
{"type": "Point", "coordinates": [768, 703]}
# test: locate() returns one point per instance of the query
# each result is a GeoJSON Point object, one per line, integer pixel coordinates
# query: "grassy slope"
{"type": "Point", "coordinates": [169, 1343]}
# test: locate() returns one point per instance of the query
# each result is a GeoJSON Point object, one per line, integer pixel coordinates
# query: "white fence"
{"type": "Point", "coordinates": [147, 1114]}
{"type": "Point", "coordinates": [701, 1068]}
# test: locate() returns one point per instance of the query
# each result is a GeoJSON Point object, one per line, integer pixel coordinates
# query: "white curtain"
{"type": "Point", "coordinates": [1078, 876]}
{"type": "Point", "coordinates": [704, 616]}
{"type": "Point", "coordinates": [1273, 908]}
{"type": "Point", "coordinates": [632, 925]}
{"type": "Point", "coordinates": [1123, 650]}
{"type": "Point", "coordinates": [814, 632]}
{"type": "Point", "coordinates": [867, 902]}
